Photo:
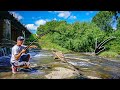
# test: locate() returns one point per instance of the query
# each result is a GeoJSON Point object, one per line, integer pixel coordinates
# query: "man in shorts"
{"type": "Point", "coordinates": [19, 57]}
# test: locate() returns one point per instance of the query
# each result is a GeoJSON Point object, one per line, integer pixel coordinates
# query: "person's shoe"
{"type": "Point", "coordinates": [14, 70]}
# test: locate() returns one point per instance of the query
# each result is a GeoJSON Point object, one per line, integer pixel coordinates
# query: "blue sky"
{"type": "Point", "coordinates": [32, 19]}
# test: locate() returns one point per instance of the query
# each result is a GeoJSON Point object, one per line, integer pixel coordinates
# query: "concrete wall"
{"type": "Point", "coordinates": [5, 29]}
{"type": "Point", "coordinates": [1, 30]}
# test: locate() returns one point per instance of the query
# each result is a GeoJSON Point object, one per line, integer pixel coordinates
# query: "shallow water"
{"type": "Point", "coordinates": [37, 59]}
{"type": "Point", "coordinates": [90, 66]}
{"type": "Point", "coordinates": [98, 67]}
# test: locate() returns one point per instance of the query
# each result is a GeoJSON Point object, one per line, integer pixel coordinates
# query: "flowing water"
{"type": "Point", "coordinates": [97, 67]}
{"type": "Point", "coordinates": [92, 67]}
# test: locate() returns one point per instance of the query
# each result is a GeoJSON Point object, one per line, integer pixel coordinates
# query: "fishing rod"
{"type": "Point", "coordinates": [36, 39]}
{"type": "Point", "coordinates": [40, 37]}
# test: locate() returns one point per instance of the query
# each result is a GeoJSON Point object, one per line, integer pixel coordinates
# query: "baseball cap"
{"type": "Point", "coordinates": [20, 38]}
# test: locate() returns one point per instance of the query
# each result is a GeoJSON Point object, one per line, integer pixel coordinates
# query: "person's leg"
{"type": "Point", "coordinates": [25, 57]}
{"type": "Point", "coordinates": [28, 57]}
{"type": "Point", "coordinates": [24, 64]}
{"type": "Point", "coordinates": [14, 67]}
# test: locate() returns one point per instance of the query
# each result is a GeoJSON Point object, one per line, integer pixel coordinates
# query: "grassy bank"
{"type": "Point", "coordinates": [108, 54]}
{"type": "Point", "coordinates": [46, 43]}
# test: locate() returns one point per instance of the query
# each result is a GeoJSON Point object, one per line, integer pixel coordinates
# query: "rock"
{"type": "Point", "coordinates": [92, 77]}
{"type": "Point", "coordinates": [61, 73]}
{"type": "Point", "coordinates": [5, 61]}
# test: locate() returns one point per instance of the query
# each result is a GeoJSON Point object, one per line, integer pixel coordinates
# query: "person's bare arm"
{"type": "Point", "coordinates": [18, 55]}
{"type": "Point", "coordinates": [32, 46]}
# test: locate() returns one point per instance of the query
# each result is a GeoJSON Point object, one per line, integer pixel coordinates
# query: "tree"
{"type": "Point", "coordinates": [115, 13]}
{"type": "Point", "coordinates": [103, 20]}
{"type": "Point", "coordinates": [118, 23]}
{"type": "Point", "coordinates": [79, 36]}
{"type": "Point", "coordinates": [48, 26]}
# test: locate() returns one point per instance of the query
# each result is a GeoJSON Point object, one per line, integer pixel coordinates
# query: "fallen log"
{"type": "Point", "coordinates": [60, 55]}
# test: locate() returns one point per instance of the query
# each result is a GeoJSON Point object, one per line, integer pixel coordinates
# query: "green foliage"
{"type": "Point", "coordinates": [46, 43]}
{"type": "Point", "coordinates": [31, 38]}
{"type": "Point", "coordinates": [81, 36]}
{"type": "Point", "coordinates": [118, 23]}
{"type": "Point", "coordinates": [108, 54]}
{"type": "Point", "coordinates": [78, 36]}
{"type": "Point", "coordinates": [103, 20]}
{"type": "Point", "coordinates": [114, 45]}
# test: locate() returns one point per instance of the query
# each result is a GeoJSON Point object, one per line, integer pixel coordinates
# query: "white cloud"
{"type": "Point", "coordinates": [63, 14]}
{"type": "Point", "coordinates": [54, 19]}
{"type": "Point", "coordinates": [47, 20]}
{"type": "Point", "coordinates": [73, 17]}
{"type": "Point", "coordinates": [88, 13]}
{"type": "Point", "coordinates": [31, 26]}
{"type": "Point", "coordinates": [40, 22]}
{"type": "Point", "coordinates": [36, 24]}
{"type": "Point", "coordinates": [17, 15]}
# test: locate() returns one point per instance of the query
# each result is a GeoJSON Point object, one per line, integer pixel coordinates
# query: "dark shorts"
{"type": "Point", "coordinates": [24, 57]}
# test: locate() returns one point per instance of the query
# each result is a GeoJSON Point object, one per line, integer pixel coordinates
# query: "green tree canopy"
{"type": "Point", "coordinates": [104, 20]}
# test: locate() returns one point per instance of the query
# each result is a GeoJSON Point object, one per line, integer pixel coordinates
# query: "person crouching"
{"type": "Point", "coordinates": [19, 58]}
